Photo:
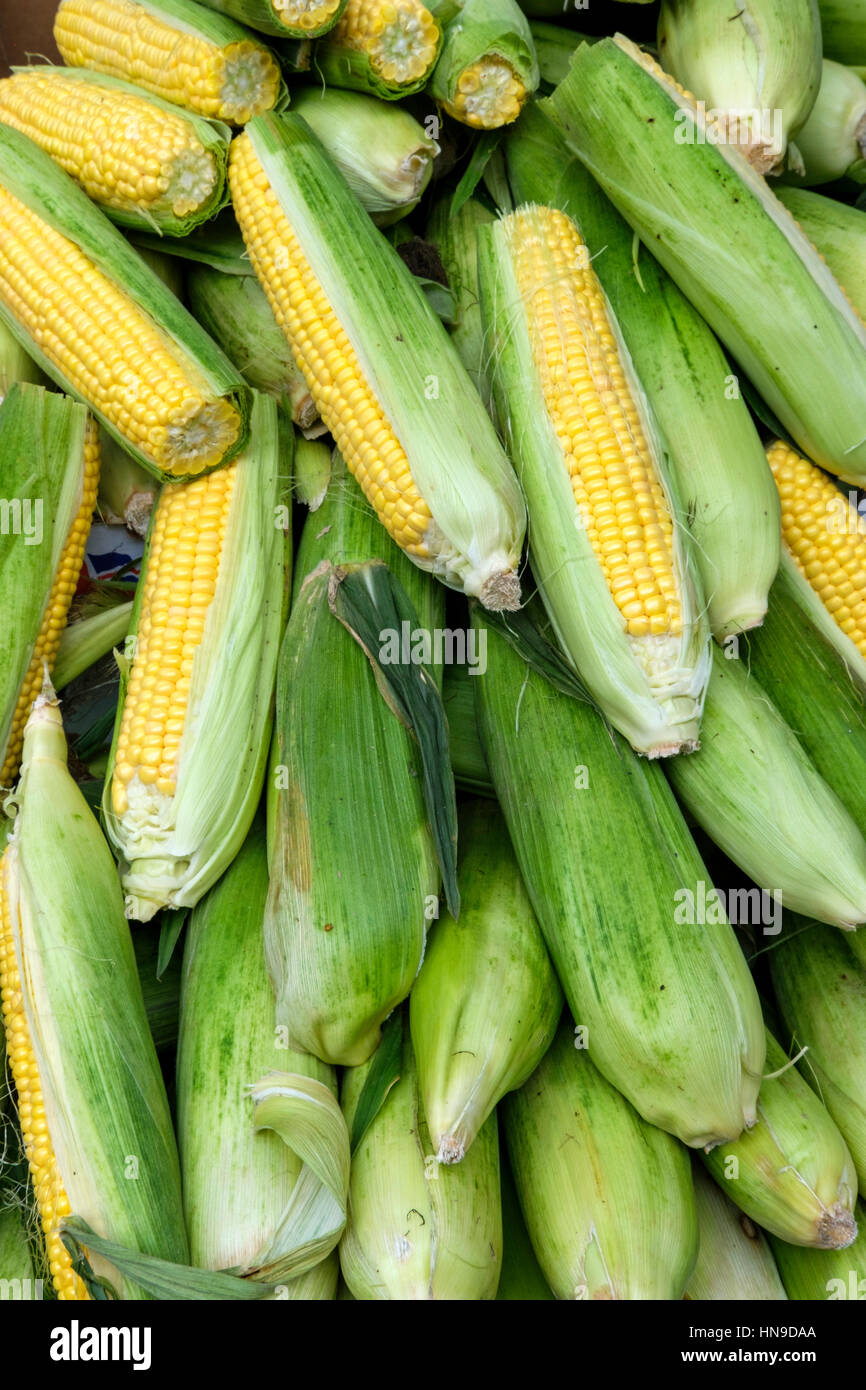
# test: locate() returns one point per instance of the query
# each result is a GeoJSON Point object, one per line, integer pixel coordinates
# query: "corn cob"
{"type": "Point", "coordinates": [238, 1180]}
{"type": "Point", "coordinates": [210, 602]}
{"type": "Point", "coordinates": [487, 69]}
{"type": "Point", "coordinates": [486, 1003]}
{"type": "Point", "coordinates": [756, 793]}
{"type": "Point", "coordinates": [146, 162]}
{"type": "Point", "coordinates": [418, 1230]}
{"type": "Point", "coordinates": [421, 445]}
{"type": "Point", "coordinates": [350, 890]}
{"type": "Point", "coordinates": [177, 50]}
{"type": "Point", "coordinates": [387, 49]}
{"type": "Point", "coordinates": [718, 464]}
{"type": "Point", "coordinates": [792, 1173]}
{"type": "Point", "coordinates": [833, 140]}
{"type": "Point", "coordinates": [104, 327]}
{"type": "Point", "coordinates": [843, 29]}
{"type": "Point", "coordinates": [50, 455]}
{"type": "Point", "coordinates": [84, 642]}
{"type": "Point", "coordinates": [723, 237]}
{"type": "Point", "coordinates": [300, 19]}
{"type": "Point", "coordinates": [90, 1095]}
{"type": "Point", "coordinates": [734, 1260]}
{"type": "Point", "coordinates": [676, 1026]}
{"type": "Point", "coordinates": [838, 231]}
{"type": "Point", "coordinates": [824, 547]}
{"type": "Point", "coordinates": [455, 239]}
{"type": "Point", "coordinates": [825, 1274]}
{"type": "Point", "coordinates": [607, 1199]}
{"type": "Point", "coordinates": [521, 1279]}
{"type": "Point", "coordinates": [821, 991]}
{"type": "Point", "coordinates": [758, 67]}
{"type": "Point", "coordinates": [383, 153]}
{"type": "Point", "coordinates": [607, 548]}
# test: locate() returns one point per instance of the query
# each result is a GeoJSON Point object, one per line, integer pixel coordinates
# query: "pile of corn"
{"type": "Point", "coordinates": [463, 893]}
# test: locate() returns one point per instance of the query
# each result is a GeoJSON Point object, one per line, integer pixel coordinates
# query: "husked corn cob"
{"type": "Point", "coordinates": [196, 704]}
{"type": "Point", "coordinates": [146, 162]}
{"type": "Point", "coordinates": [610, 556]}
{"type": "Point", "coordinates": [734, 1259]}
{"type": "Point", "coordinates": [90, 1094]}
{"type": "Point", "coordinates": [50, 452]}
{"type": "Point", "coordinates": [105, 327]}
{"type": "Point", "coordinates": [302, 19]}
{"type": "Point", "coordinates": [176, 49]}
{"type": "Point", "coordinates": [387, 47]}
{"type": "Point", "coordinates": [421, 446]}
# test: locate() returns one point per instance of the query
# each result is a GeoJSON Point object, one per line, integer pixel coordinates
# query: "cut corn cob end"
{"type": "Point", "coordinates": [826, 538]}
{"type": "Point", "coordinates": [400, 38]}
{"type": "Point", "coordinates": [61, 595]}
{"type": "Point", "coordinates": [306, 16]}
{"type": "Point", "coordinates": [489, 94]}
{"type": "Point", "coordinates": [231, 83]}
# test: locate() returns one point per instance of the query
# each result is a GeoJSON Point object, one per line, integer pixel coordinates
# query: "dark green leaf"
{"type": "Point", "coordinates": [384, 1072]}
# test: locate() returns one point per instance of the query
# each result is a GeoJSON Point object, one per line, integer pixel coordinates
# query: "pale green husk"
{"type": "Point", "coordinates": [554, 47]}
{"type": "Point", "coordinates": [723, 236]}
{"type": "Point", "coordinates": [838, 231]}
{"type": "Point", "coordinates": [17, 1277]}
{"type": "Point", "coordinates": [409, 363]}
{"type": "Point", "coordinates": [792, 1173]}
{"type": "Point", "coordinates": [105, 1103]}
{"type": "Point", "coordinates": [172, 849]}
{"type": "Point", "coordinates": [486, 1003]}
{"type": "Point", "coordinates": [253, 1205]}
{"type": "Point", "coordinates": [15, 363]}
{"type": "Point", "coordinates": [455, 239]}
{"type": "Point", "coordinates": [833, 1275]}
{"type": "Point", "coordinates": [675, 1025]}
{"type": "Point", "coordinates": [607, 1199]}
{"type": "Point", "coordinates": [127, 491]}
{"type": "Point", "coordinates": [724, 485]}
{"type": "Point", "coordinates": [418, 1229]}
{"type": "Point", "coordinates": [84, 642]}
{"type": "Point", "coordinates": [479, 29]}
{"type": "Point", "coordinates": [756, 793]}
{"type": "Point", "coordinates": [833, 140]}
{"type": "Point", "coordinates": [734, 1262]}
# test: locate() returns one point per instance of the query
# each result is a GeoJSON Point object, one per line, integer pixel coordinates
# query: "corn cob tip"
{"type": "Point", "coordinates": [500, 592]}
{"type": "Point", "coordinates": [451, 1149]}
{"type": "Point", "coordinates": [837, 1228]}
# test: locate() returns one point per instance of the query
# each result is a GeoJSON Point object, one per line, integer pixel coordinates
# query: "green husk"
{"type": "Point", "coordinates": [734, 1262]}
{"type": "Point", "coordinates": [792, 1173]}
{"type": "Point", "coordinates": [104, 1098]}
{"type": "Point", "coordinates": [17, 1278]}
{"type": "Point", "coordinates": [521, 1279]}
{"type": "Point", "coordinates": [838, 231]}
{"type": "Point", "coordinates": [417, 1229]}
{"type": "Point", "coordinates": [723, 481]}
{"type": "Point", "coordinates": [457, 462]}
{"type": "Point", "coordinates": [235, 309]}
{"type": "Point", "coordinates": [554, 47]}
{"type": "Point", "coordinates": [825, 1274]}
{"type": "Point", "coordinates": [676, 1026]}
{"type": "Point", "coordinates": [467, 755]}
{"type": "Point", "coordinates": [843, 27]}
{"type": "Point", "coordinates": [160, 991]}
{"type": "Point", "coordinates": [127, 492]}
{"type": "Point", "coordinates": [15, 364]}
{"type": "Point", "coordinates": [454, 235]}
{"type": "Point", "coordinates": [756, 793]}
{"type": "Point", "coordinates": [833, 140]}
{"type": "Point", "coordinates": [350, 889]}
{"type": "Point", "coordinates": [720, 233]}
{"type": "Point", "coordinates": [31, 175]}
{"type": "Point", "coordinates": [821, 990]}
{"type": "Point", "coordinates": [758, 67]}
{"type": "Point", "coordinates": [42, 449]}
{"type": "Point", "coordinates": [383, 153]}
{"type": "Point", "coordinates": [171, 855]}
{"type": "Point", "coordinates": [252, 1204]}
{"type": "Point", "coordinates": [265, 16]}
{"type": "Point", "coordinates": [312, 472]}
{"type": "Point", "coordinates": [607, 1199]}
{"type": "Point", "coordinates": [486, 1002]}
{"type": "Point", "coordinates": [476, 30]}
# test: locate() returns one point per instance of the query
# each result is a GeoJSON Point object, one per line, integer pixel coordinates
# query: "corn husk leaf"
{"type": "Point", "coordinates": [824, 1274]}
{"type": "Point", "coordinates": [734, 1261]}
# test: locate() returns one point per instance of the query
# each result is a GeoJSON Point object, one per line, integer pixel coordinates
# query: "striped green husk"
{"type": "Point", "coordinates": [675, 1026]}
{"type": "Point", "coordinates": [17, 1278]}
{"type": "Point", "coordinates": [486, 1002]}
{"type": "Point", "coordinates": [351, 888]}
{"type": "Point", "coordinates": [418, 1230]}
{"type": "Point", "coordinates": [454, 238]}
{"type": "Point", "coordinates": [821, 990]}
{"type": "Point", "coordinates": [554, 47]}
{"type": "Point", "coordinates": [792, 1173]}
{"type": "Point", "coordinates": [756, 793]}
{"type": "Point", "coordinates": [722, 235]}
{"type": "Point", "coordinates": [467, 755]}
{"type": "Point", "coordinates": [843, 28]}
{"type": "Point", "coordinates": [268, 17]}
{"type": "Point", "coordinates": [84, 642]}
{"type": "Point", "coordinates": [839, 232]}
{"type": "Point", "coordinates": [607, 1199]}
{"type": "Point", "coordinates": [15, 363]}
{"type": "Point", "coordinates": [723, 482]}
{"type": "Point", "coordinates": [825, 1274]}
{"type": "Point", "coordinates": [734, 1262]}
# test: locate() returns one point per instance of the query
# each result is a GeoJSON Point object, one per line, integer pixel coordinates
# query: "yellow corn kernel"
{"type": "Point", "coordinates": [324, 354]}
{"type": "Point", "coordinates": [57, 607]}
{"type": "Point", "coordinates": [826, 536]}
{"type": "Point", "coordinates": [619, 498]}
{"type": "Point", "coordinates": [399, 37]}
{"type": "Point", "coordinates": [123, 39]}
{"type": "Point", "coordinates": [489, 94]}
{"type": "Point", "coordinates": [47, 1182]}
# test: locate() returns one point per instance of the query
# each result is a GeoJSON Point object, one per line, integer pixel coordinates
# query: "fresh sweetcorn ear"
{"type": "Point", "coordinates": [487, 69]}
{"type": "Point", "coordinates": [176, 49]}
{"type": "Point", "coordinates": [609, 555]}
{"type": "Point", "coordinates": [387, 47]}
{"type": "Point", "coordinates": [148, 163]}
{"type": "Point", "coordinates": [824, 539]}
{"type": "Point", "coordinates": [380, 366]}
{"type": "Point", "coordinates": [195, 712]}
{"type": "Point", "coordinates": [50, 451]}
{"type": "Point", "coordinates": [102, 324]}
